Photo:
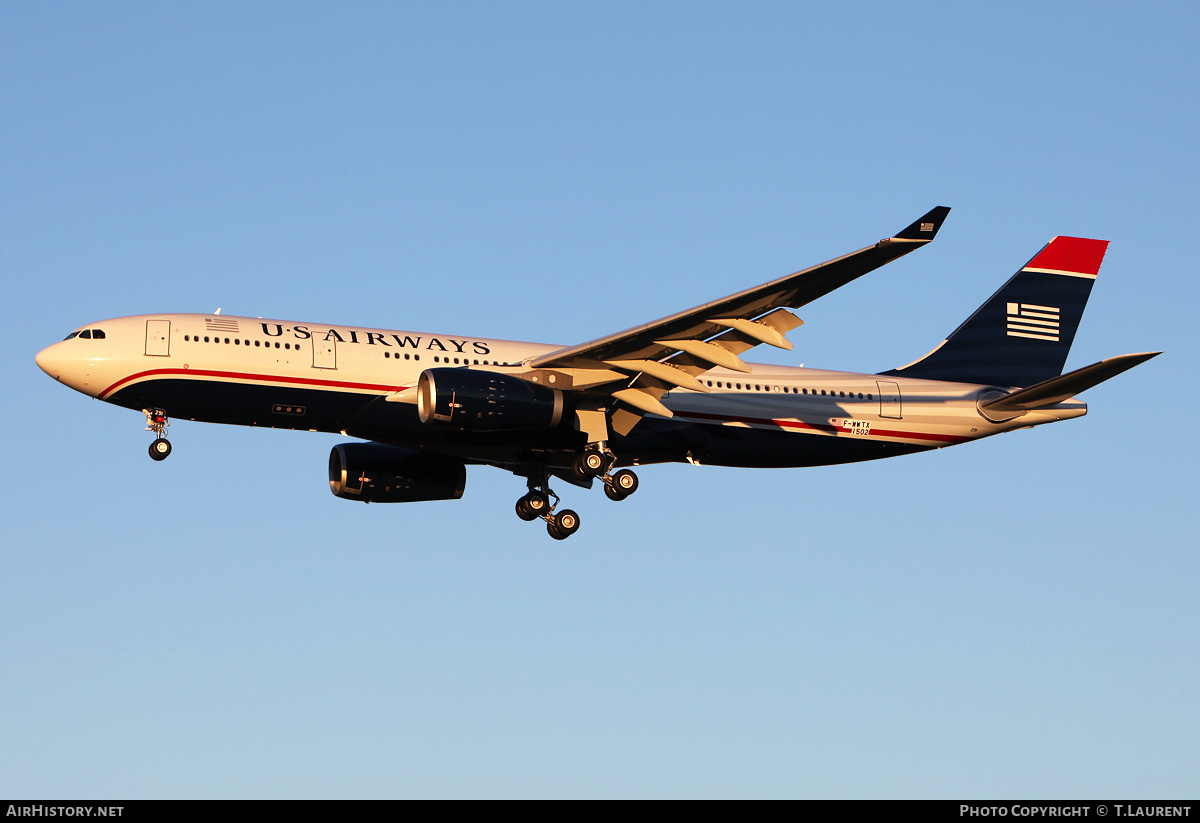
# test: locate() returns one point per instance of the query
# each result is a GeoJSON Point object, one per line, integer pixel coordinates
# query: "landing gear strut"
{"type": "Point", "coordinates": [157, 422]}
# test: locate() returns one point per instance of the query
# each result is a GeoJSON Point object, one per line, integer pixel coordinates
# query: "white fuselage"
{"type": "Point", "coordinates": [319, 377]}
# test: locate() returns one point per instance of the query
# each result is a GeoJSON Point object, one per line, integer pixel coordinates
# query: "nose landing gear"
{"type": "Point", "coordinates": [160, 449]}
{"type": "Point", "coordinates": [157, 422]}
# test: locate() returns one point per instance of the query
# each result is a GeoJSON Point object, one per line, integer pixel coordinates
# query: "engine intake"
{"type": "Point", "coordinates": [486, 401]}
{"type": "Point", "coordinates": [384, 474]}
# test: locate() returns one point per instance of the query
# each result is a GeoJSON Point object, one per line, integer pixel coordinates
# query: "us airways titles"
{"type": "Point", "coordinates": [379, 338]}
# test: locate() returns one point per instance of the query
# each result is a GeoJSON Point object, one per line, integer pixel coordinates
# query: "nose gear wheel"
{"type": "Point", "coordinates": [157, 422]}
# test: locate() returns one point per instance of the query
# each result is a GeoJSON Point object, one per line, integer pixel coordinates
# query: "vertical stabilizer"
{"type": "Point", "coordinates": [1023, 333]}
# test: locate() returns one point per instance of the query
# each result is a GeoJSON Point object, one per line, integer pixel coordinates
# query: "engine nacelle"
{"type": "Point", "coordinates": [486, 401]}
{"type": "Point", "coordinates": [383, 474]}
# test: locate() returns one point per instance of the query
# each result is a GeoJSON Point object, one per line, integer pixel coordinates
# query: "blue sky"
{"type": "Point", "coordinates": [1015, 617]}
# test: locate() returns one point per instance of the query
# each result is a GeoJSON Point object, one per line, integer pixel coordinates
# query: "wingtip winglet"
{"type": "Point", "coordinates": [925, 228]}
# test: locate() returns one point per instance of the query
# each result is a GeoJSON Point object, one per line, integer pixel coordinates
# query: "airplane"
{"type": "Point", "coordinates": [673, 390]}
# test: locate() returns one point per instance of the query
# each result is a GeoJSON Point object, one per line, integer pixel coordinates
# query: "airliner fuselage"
{"type": "Point", "coordinates": [332, 378]}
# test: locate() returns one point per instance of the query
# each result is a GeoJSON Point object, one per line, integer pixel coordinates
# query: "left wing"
{"type": "Point", "coordinates": [639, 365]}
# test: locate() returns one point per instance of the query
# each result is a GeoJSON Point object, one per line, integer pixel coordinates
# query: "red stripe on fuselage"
{"type": "Point", "coordinates": [800, 424]}
{"type": "Point", "coordinates": [266, 378]}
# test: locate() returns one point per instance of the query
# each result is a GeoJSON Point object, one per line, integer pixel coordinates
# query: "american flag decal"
{"type": "Point", "coordinates": [926, 227]}
{"type": "Point", "coordinates": [1036, 322]}
{"type": "Point", "coordinates": [221, 324]}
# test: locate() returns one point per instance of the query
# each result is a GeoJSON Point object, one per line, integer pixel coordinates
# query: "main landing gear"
{"type": "Point", "coordinates": [620, 485]}
{"type": "Point", "coordinates": [562, 524]}
{"type": "Point", "coordinates": [595, 461]}
{"type": "Point", "coordinates": [157, 422]}
{"type": "Point", "coordinates": [536, 503]}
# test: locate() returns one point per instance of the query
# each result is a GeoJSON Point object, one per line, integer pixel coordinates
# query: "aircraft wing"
{"type": "Point", "coordinates": [637, 366]}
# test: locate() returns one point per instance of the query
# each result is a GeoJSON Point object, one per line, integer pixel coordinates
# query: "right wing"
{"type": "Point", "coordinates": [639, 365]}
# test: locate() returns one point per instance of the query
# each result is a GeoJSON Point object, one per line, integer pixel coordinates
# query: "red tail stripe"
{"type": "Point", "coordinates": [1076, 254]}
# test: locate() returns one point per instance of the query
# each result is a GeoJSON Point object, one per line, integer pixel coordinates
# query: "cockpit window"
{"type": "Point", "coordinates": [86, 334]}
{"type": "Point", "coordinates": [72, 334]}
{"type": "Point", "coordinates": [97, 334]}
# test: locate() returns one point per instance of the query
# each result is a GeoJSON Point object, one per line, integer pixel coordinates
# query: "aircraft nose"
{"type": "Point", "coordinates": [50, 361]}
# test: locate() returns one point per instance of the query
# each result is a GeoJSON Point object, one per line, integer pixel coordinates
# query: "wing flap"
{"type": "Point", "coordinates": [665, 372]}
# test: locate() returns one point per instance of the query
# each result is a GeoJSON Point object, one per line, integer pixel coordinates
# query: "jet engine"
{"type": "Point", "coordinates": [384, 474]}
{"type": "Point", "coordinates": [486, 401]}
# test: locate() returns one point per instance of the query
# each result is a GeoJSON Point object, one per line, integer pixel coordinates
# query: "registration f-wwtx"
{"type": "Point", "coordinates": [673, 390]}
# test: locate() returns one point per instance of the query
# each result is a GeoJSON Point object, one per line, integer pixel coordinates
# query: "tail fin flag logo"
{"type": "Point", "coordinates": [1033, 321]}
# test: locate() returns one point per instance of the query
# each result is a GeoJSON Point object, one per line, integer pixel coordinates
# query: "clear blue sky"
{"type": "Point", "coordinates": [1015, 617]}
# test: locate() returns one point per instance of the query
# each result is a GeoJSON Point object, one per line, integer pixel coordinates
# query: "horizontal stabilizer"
{"type": "Point", "coordinates": [1051, 392]}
